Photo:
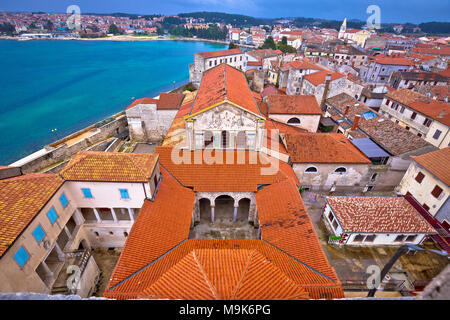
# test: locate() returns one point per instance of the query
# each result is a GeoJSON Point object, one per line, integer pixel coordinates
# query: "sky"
{"type": "Point", "coordinates": [400, 11]}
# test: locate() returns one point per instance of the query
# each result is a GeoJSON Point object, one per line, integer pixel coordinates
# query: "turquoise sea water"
{"type": "Point", "coordinates": [69, 85]}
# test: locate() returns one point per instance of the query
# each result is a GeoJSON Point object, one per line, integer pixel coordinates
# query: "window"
{"type": "Point", "coordinates": [335, 224]}
{"type": "Point", "coordinates": [400, 238]}
{"type": "Point", "coordinates": [413, 115]}
{"type": "Point", "coordinates": [437, 134]}
{"type": "Point", "coordinates": [87, 192]}
{"type": "Point", "coordinates": [294, 121]}
{"type": "Point", "coordinates": [419, 177]}
{"type": "Point", "coordinates": [21, 256]}
{"type": "Point", "coordinates": [436, 191]}
{"type": "Point", "coordinates": [374, 176]}
{"type": "Point", "coordinates": [411, 238]}
{"type": "Point", "coordinates": [225, 139]}
{"type": "Point", "coordinates": [210, 63]}
{"type": "Point", "coordinates": [340, 170]}
{"type": "Point", "coordinates": [52, 215]}
{"type": "Point", "coordinates": [426, 207]}
{"type": "Point", "coordinates": [124, 194]}
{"type": "Point", "coordinates": [38, 233]}
{"type": "Point", "coordinates": [63, 200]}
{"type": "Point", "coordinates": [427, 122]}
{"type": "Point", "coordinates": [330, 217]}
{"type": "Point", "coordinates": [419, 135]}
{"type": "Point", "coordinates": [358, 238]}
{"type": "Point", "coordinates": [402, 109]}
{"type": "Point", "coordinates": [311, 170]}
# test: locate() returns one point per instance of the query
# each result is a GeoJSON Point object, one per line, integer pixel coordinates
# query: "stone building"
{"type": "Point", "coordinates": [204, 61]}
{"type": "Point", "coordinates": [150, 119]}
{"type": "Point", "coordinates": [292, 73]}
{"type": "Point", "coordinates": [381, 67]}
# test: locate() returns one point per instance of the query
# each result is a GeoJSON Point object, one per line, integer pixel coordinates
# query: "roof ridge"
{"type": "Point", "coordinates": [244, 273]}
{"type": "Point", "coordinates": [131, 157]}
{"type": "Point", "coordinates": [81, 155]}
{"type": "Point", "coordinates": [211, 287]}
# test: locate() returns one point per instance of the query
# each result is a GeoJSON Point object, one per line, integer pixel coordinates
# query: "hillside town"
{"type": "Point", "coordinates": [288, 166]}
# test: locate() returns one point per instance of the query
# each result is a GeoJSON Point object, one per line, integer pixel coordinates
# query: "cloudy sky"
{"type": "Point", "coordinates": [414, 11]}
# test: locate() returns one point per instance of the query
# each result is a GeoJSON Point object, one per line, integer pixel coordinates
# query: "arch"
{"type": "Point", "coordinates": [241, 139]}
{"type": "Point", "coordinates": [224, 208]}
{"type": "Point", "coordinates": [311, 169]}
{"type": "Point", "coordinates": [340, 170]}
{"type": "Point", "coordinates": [205, 210]}
{"type": "Point", "coordinates": [294, 120]}
{"type": "Point", "coordinates": [225, 139]}
{"type": "Point", "coordinates": [208, 139]}
{"type": "Point", "coordinates": [243, 210]}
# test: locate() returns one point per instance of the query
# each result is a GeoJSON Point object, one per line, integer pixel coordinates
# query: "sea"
{"type": "Point", "coordinates": [69, 85]}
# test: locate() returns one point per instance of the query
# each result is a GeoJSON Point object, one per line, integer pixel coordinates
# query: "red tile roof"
{"type": "Point", "coordinates": [224, 83]}
{"type": "Point", "coordinates": [439, 111]}
{"type": "Point", "coordinates": [318, 78]}
{"type": "Point", "coordinates": [301, 65]}
{"type": "Point", "coordinates": [110, 166]}
{"type": "Point", "coordinates": [437, 163]}
{"type": "Point", "coordinates": [227, 172]}
{"type": "Point", "coordinates": [386, 60]}
{"type": "Point", "coordinates": [170, 101]}
{"type": "Point", "coordinates": [293, 104]}
{"type": "Point", "coordinates": [219, 53]}
{"type": "Point", "coordinates": [142, 101]}
{"type": "Point", "coordinates": [323, 148]}
{"type": "Point", "coordinates": [21, 200]}
{"type": "Point", "coordinates": [378, 215]}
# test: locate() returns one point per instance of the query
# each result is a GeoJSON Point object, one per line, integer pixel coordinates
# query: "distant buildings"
{"type": "Point", "coordinates": [381, 67]}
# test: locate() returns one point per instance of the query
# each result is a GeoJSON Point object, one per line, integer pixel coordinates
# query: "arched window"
{"type": "Point", "coordinates": [340, 170]}
{"type": "Point", "coordinates": [311, 170]}
{"type": "Point", "coordinates": [208, 138]}
{"type": "Point", "coordinates": [294, 121]}
{"type": "Point", "coordinates": [241, 139]}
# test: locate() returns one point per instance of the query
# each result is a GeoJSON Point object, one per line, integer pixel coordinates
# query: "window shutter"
{"type": "Point", "coordinates": [436, 191]}
{"type": "Point", "coordinates": [419, 177]}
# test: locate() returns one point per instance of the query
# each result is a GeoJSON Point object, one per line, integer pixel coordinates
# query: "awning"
{"type": "Point", "coordinates": [369, 148]}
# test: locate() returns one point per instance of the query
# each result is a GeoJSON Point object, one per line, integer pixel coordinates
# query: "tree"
{"type": "Point", "coordinates": [113, 29]}
{"type": "Point", "coordinates": [232, 46]}
{"type": "Point", "coordinates": [286, 49]}
{"type": "Point", "coordinates": [284, 41]}
{"type": "Point", "coordinates": [269, 43]}
{"type": "Point", "coordinates": [48, 25]}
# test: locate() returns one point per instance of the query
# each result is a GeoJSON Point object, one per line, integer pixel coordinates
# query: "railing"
{"type": "Point", "coordinates": [81, 259]}
{"type": "Point", "coordinates": [361, 285]}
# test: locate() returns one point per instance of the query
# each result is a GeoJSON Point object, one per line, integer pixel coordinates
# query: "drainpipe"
{"type": "Point", "coordinates": [325, 91]}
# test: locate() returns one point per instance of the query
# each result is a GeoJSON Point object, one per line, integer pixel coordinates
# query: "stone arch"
{"type": "Point", "coordinates": [225, 139]}
{"type": "Point", "coordinates": [311, 169]}
{"type": "Point", "coordinates": [224, 207]}
{"type": "Point", "coordinates": [340, 170]}
{"type": "Point", "coordinates": [294, 120]}
{"type": "Point", "coordinates": [243, 210]}
{"type": "Point", "coordinates": [241, 140]}
{"type": "Point", "coordinates": [208, 139]}
{"type": "Point", "coordinates": [204, 209]}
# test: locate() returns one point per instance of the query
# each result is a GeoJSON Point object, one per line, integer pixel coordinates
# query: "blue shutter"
{"type": "Point", "coordinates": [52, 215]}
{"type": "Point", "coordinates": [124, 194]}
{"type": "Point", "coordinates": [38, 233]}
{"type": "Point", "coordinates": [21, 256]}
{"type": "Point", "coordinates": [63, 200]}
{"type": "Point", "coordinates": [87, 192]}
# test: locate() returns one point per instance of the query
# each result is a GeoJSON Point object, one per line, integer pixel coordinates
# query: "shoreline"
{"type": "Point", "coordinates": [129, 38]}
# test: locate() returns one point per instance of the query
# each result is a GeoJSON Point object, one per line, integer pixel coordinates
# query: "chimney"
{"type": "Point", "coordinates": [325, 91]}
{"type": "Point", "coordinates": [347, 108]}
{"type": "Point", "coordinates": [355, 122]}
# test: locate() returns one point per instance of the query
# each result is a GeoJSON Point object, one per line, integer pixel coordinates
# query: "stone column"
{"type": "Point", "coordinates": [236, 207]}
{"type": "Point", "coordinates": [113, 215]}
{"type": "Point", "coordinates": [212, 214]}
{"type": "Point", "coordinates": [48, 272]}
{"type": "Point", "coordinates": [79, 219]}
{"type": "Point", "coordinates": [61, 255]}
{"type": "Point", "coordinates": [97, 215]}
{"type": "Point", "coordinates": [131, 213]}
{"type": "Point", "coordinates": [67, 232]}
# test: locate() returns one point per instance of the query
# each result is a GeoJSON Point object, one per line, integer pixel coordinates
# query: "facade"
{"type": "Point", "coordinates": [262, 55]}
{"type": "Point", "coordinates": [292, 73]}
{"type": "Point", "coordinates": [425, 117]}
{"type": "Point", "coordinates": [381, 67]}
{"type": "Point", "coordinates": [375, 221]}
{"type": "Point", "coordinates": [427, 180]}
{"type": "Point", "coordinates": [297, 110]}
{"type": "Point", "coordinates": [204, 61]}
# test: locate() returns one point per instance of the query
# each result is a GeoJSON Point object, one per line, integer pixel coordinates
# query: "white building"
{"type": "Point", "coordinates": [371, 221]}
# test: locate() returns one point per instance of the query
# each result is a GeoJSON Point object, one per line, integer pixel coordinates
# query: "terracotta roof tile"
{"type": "Point", "coordinates": [21, 199]}
{"type": "Point", "coordinates": [170, 101]}
{"type": "Point", "coordinates": [142, 101]}
{"type": "Point", "coordinates": [378, 215]}
{"type": "Point", "coordinates": [293, 104]}
{"type": "Point", "coordinates": [219, 53]}
{"type": "Point", "coordinates": [318, 78]}
{"type": "Point", "coordinates": [437, 163]}
{"type": "Point", "coordinates": [110, 166]}
{"type": "Point", "coordinates": [323, 148]}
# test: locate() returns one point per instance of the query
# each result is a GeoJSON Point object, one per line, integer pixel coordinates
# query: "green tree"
{"type": "Point", "coordinates": [284, 41]}
{"type": "Point", "coordinates": [269, 44]}
{"type": "Point", "coordinates": [286, 49]}
{"type": "Point", "coordinates": [232, 46]}
{"type": "Point", "coordinates": [113, 29]}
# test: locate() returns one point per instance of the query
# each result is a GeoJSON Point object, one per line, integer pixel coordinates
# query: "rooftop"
{"type": "Point", "coordinates": [322, 148]}
{"type": "Point", "coordinates": [319, 78]}
{"type": "Point", "coordinates": [378, 215]}
{"type": "Point", "coordinates": [110, 166]}
{"type": "Point", "coordinates": [293, 104]}
{"type": "Point", "coordinates": [22, 199]}
{"type": "Point", "coordinates": [437, 163]}
{"type": "Point", "coordinates": [219, 53]}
